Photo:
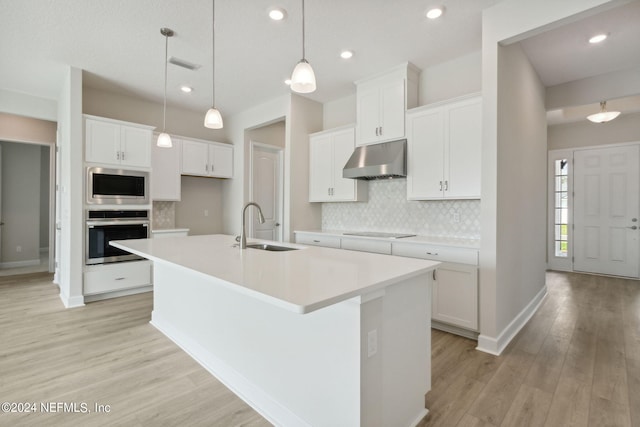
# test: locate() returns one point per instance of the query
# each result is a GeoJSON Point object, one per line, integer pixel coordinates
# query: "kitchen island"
{"type": "Point", "coordinates": [307, 337]}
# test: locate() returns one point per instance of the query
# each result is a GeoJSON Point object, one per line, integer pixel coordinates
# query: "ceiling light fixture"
{"type": "Point", "coordinates": [164, 140]}
{"type": "Point", "coordinates": [603, 116]}
{"type": "Point", "coordinates": [435, 12]}
{"type": "Point", "coordinates": [287, 82]}
{"type": "Point", "coordinates": [599, 38]}
{"type": "Point", "coordinates": [277, 14]}
{"type": "Point", "coordinates": [213, 118]}
{"type": "Point", "coordinates": [186, 89]}
{"type": "Point", "coordinates": [303, 80]}
{"type": "Point", "coordinates": [346, 54]}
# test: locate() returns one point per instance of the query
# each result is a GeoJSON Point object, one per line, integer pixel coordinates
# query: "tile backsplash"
{"type": "Point", "coordinates": [164, 215]}
{"type": "Point", "coordinates": [388, 210]}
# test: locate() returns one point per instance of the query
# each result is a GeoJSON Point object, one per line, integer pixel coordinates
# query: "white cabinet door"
{"type": "Point", "coordinates": [392, 111]}
{"type": "Point", "coordinates": [318, 240]}
{"type": "Point", "coordinates": [368, 115]}
{"type": "Point", "coordinates": [220, 161]}
{"type": "Point", "coordinates": [135, 147]}
{"type": "Point", "coordinates": [102, 142]}
{"type": "Point", "coordinates": [425, 154]}
{"type": "Point", "coordinates": [343, 145]}
{"type": "Point", "coordinates": [320, 167]}
{"type": "Point", "coordinates": [195, 158]}
{"type": "Point", "coordinates": [455, 295]}
{"type": "Point", "coordinates": [462, 158]}
{"type": "Point", "coordinates": [165, 172]}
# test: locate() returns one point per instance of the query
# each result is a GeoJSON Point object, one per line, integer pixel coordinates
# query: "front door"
{"type": "Point", "coordinates": [606, 205]}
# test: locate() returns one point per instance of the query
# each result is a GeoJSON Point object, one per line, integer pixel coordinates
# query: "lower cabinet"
{"type": "Point", "coordinates": [455, 286]}
{"type": "Point", "coordinates": [117, 276]}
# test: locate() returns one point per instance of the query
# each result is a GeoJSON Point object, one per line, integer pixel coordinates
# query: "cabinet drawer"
{"type": "Point", "coordinates": [317, 240]}
{"type": "Point", "coordinates": [117, 276]}
{"type": "Point", "coordinates": [436, 253]}
{"type": "Point", "coordinates": [374, 246]}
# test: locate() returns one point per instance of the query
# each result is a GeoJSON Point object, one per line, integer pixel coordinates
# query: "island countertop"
{"type": "Point", "coordinates": [302, 280]}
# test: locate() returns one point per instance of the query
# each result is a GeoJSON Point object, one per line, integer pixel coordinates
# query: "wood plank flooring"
{"type": "Point", "coordinates": [576, 363]}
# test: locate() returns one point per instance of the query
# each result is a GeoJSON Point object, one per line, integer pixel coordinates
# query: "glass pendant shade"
{"type": "Point", "coordinates": [303, 79]}
{"type": "Point", "coordinates": [603, 116]}
{"type": "Point", "coordinates": [164, 140]}
{"type": "Point", "coordinates": [213, 119]}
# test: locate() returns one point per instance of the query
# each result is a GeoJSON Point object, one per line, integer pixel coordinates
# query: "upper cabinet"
{"type": "Point", "coordinates": [203, 158]}
{"type": "Point", "coordinates": [117, 143]}
{"type": "Point", "coordinates": [165, 171]}
{"type": "Point", "coordinates": [328, 152]}
{"type": "Point", "coordinates": [443, 150]}
{"type": "Point", "coordinates": [381, 104]}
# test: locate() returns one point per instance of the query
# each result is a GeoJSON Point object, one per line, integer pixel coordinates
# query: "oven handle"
{"type": "Point", "coordinates": [92, 224]}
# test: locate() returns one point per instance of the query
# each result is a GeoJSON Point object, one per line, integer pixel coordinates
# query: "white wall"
{"type": "Point", "coordinates": [71, 256]}
{"type": "Point", "coordinates": [339, 112]}
{"type": "Point", "coordinates": [626, 128]}
{"type": "Point", "coordinates": [510, 21]}
{"type": "Point", "coordinates": [451, 79]}
{"type": "Point", "coordinates": [28, 106]}
{"type": "Point", "coordinates": [44, 196]}
{"type": "Point", "coordinates": [20, 203]}
{"type": "Point", "coordinates": [273, 134]}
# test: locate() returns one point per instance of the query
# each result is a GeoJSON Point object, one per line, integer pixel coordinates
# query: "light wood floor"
{"type": "Point", "coordinates": [577, 363]}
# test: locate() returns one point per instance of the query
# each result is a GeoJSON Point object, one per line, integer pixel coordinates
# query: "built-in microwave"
{"type": "Point", "coordinates": [117, 186]}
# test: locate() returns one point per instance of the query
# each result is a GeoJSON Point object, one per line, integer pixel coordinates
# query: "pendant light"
{"type": "Point", "coordinates": [603, 116]}
{"type": "Point", "coordinates": [303, 80]}
{"type": "Point", "coordinates": [213, 119]}
{"type": "Point", "coordinates": [164, 140]}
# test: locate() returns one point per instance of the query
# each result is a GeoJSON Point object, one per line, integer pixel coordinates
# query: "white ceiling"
{"type": "Point", "coordinates": [119, 45]}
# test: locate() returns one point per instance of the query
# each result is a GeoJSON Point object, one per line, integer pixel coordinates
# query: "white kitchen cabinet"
{"type": "Point", "coordinates": [366, 245]}
{"type": "Point", "coordinates": [455, 286]}
{"type": "Point", "coordinates": [203, 158]}
{"type": "Point", "coordinates": [381, 103]}
{"type": "Point", "coordinates": [116, 276]}
{"type": "Point", "coordinates": [328, 153]}
{"type": "Point", "coordinates": [117, 143]}
{"type": "Point", "coordinates": [174, 232]}
{"type": "Point", "coordinates": [444, 149]}
{"type": "Point", "coordinates": [315, 239]}
{"type": "Point", "coordinates": [165, 171]}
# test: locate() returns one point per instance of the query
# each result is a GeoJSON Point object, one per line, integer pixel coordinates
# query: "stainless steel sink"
{"type": "Point", "coordinates": [269, 247]}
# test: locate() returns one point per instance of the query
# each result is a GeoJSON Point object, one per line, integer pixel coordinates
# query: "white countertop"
{"type": "Point", "coordinates": [302, 280]}
{"type": "Point", "coordinates": [431, 240]}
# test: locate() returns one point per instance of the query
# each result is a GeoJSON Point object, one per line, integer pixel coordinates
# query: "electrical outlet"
{"type": "Point", "coordinates": [206, 212]}
{"type": "Point", "coordinates": [372, 343]}
{"type": "Point", "coordinates": [18, 248]}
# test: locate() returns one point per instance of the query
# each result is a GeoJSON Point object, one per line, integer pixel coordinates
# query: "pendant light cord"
{"type": "Point", "coordinates": [213, 53]}
{"type": "Point", "coordinates": [303, 41]}
{"type": "Point", "coordinates": [166, 56]}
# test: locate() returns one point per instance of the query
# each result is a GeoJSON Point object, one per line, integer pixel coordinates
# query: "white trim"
{"type": "Point", "coordinates": [419, 418]}
{"type": "Point", "coordinates": [71, 302]}
{"type": "Point", "coordinates": [17, 264]}
{"type": "Point", "coordinates": [554, 262]}
{"type": "Point", "coordinates": [456, 330]}
{"type": "Point", "coordinates": [122, 293]}
{"type": "Point", "coordinates": [254, 396]}
{"type": "Point", "coordinates": [280, 203]}
{"type": "Point", "coordinates": [496, 346]}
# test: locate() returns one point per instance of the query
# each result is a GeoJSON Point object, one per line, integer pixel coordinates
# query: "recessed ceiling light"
{"type": "Point", "coordinates": [287, 82]}
{"type": "Point", "coordinates": [277, 14]}
{"type": "Point", "coordinates": [435, 12]}
{"type": "Point", "coordinates": [597, 38]}
{"type": "Point", "coordinates": [346, 54]}
{"type": "Point", "coordinates": [186, 89]}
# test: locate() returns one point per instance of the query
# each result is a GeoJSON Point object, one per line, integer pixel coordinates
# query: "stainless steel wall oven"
{"type": "Point", "coordinates": [102, 226]}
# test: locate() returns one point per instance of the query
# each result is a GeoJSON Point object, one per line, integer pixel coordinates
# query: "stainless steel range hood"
{"type": "Point", "coordinates": [378, 161]}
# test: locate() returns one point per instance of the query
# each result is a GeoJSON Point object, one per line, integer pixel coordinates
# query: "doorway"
{"type": "Point", "coordinates": [26, 207]}
{"type": "Point", "coordinates": [266, 189]}
{"type": "Point", "coordinates": [595, 209]}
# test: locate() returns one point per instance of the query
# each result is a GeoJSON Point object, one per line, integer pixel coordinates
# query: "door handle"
{"type": "Point", "coordinates": [277, 224]}
{"type": "Point", "coordinates": [633, 227]}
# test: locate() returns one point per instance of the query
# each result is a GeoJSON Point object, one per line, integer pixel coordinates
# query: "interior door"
{"type": "Point", "coordinates": [606, 210]}
{"type": "Point", "coordinates": [267, 191]}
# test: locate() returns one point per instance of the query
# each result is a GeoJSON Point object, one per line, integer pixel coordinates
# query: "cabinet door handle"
{"type": "Point", "coordinates": [120, 278]}
{"type": "Point", "coordinates": [117, 155]}
{"type": "Point", "coordinates": [316, 241]}
{"type": "Point", "coordinates": [380, 130]}
{"type": "Point", "coordinates": [446, 186]}
{"type": "Point", "coordinates": [377, 131]}
{"type": "Point", "coordinates": [122, 155]}
{"type": "Point", "coordinates": [206, 167]}
{"type": "Point", "coordinates": [434, 275]}
{"type": "Point", "coordinates": [440, 185]}
{"type": "Point", "coordinates": [432, 253]}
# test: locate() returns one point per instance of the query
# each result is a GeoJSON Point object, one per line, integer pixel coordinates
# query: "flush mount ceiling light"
{"type": "Point", "coordinates": [603, 116]}
{"type": "Point", "coordinates": [346, 54]}
{"type": "Point", "coordinates": [213, 118]}
{"type": "Point", "coordinates": [599, 38]}
{"type": "Point", "coordinates": [164, 140]}
{"type": "Point", "coordinates": [186, 89]}
{"type": "Point", "coordinates": [435, 12]}
{"type": "Point", "coordinates": [303, 80]}
{"type": "Point", "coordinates": [277, 14]}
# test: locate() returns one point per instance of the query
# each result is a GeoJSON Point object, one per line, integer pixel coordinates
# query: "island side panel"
{"type": "Point", "coordinates": [294, 369]}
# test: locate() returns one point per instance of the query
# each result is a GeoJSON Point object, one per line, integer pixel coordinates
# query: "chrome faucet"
{"type": "Point", "coordinates": [243, 234]}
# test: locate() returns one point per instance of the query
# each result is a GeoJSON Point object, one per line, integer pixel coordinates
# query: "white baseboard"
{"type": "Point", "coordinates": [72, 302]}
{"type": "Point", "coordinates": [116, 294]}
{"type": "Point", "coordinates": [25, 263]}
{"type": "Point", "coordinates": [419, 419]}
{"type": "Point", "coordinates": [497, 345]}
{"type": "Point", "coordinates": [454, 330]}
{"type": "Point", "coordinates": [249, 392]}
